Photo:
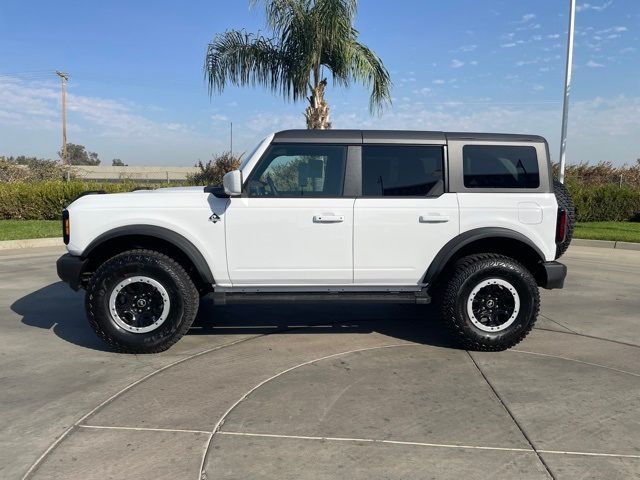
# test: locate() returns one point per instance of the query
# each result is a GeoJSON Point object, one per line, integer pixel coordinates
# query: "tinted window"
{"type": "Point", "coordinates": [299, 171]}
{"type": "Point", "coordinates": [402, 171]}
{"type": "Point", "coordinates": [497, 166]}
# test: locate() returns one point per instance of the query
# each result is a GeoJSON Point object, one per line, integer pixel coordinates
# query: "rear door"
{"type": "Point", "coordinates": [404, 216]}
{"type": "Point", "coordinates": [292, 226]}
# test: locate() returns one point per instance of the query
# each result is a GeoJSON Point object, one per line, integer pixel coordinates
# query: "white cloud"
{"type": "Point", "coordinates": [455, 63]}
{"type": "Point", "coordinates": [594, 64]}
{"type": "Point", "coordinates": [553, 36]}
{"type": "Point", "coordinates": [538, 88]}
{"type": "Point", "coordinates": [113, 128]}
{"type": "Point", "coordinates": [590, 6]}
{"type": "Point", "coordinates": [217, 117]}
{"type": "Point", "coordinates": [468, 48]}
{"type": "Point", "coordinates": [473, 62]}
{"type": "Point", "coordinates": [508, 45]}
{"type": "Point", "coordinates": [438, 82]}
{"type": "Point", "coordinates": [422, 91]}
{"type": "Point", "coordinates": [527, 17]}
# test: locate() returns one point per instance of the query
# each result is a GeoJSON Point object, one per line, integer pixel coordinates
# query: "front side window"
{"type": "Point", "coordinates": [299, 171]}
{"type": "Point", "coordinates": [500, 166]}
{"type": "Point", "coordinates": [402, 171]}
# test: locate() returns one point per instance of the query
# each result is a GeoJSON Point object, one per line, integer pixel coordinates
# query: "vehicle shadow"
{"type": "Point", "coordinates": [57, 308]}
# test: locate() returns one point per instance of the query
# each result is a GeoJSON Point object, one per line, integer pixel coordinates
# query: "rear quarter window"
{"type": "Point", "coordinates": [500, 166]}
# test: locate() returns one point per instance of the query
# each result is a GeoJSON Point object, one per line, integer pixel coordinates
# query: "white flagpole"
{"type": "Point", "coordinates": [567, 89]}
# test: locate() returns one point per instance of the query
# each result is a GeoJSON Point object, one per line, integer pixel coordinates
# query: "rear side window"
{"type": "Point", "coordinates": [500, 166]}
{"type": "Point", "coordinates": [402, 171]}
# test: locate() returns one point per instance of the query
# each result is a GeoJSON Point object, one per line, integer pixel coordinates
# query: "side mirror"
{"type": "Point", "coordinates": [232, 183]}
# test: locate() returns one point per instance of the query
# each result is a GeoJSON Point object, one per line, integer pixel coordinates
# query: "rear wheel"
{"type": "Point", "coordinates": [489, 301]}
{"type": "Point", "coordinates": [141, 301]}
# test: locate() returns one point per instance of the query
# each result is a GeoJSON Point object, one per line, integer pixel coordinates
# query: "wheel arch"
{"type": "Point", "coordinates": [151, 237]}
{"type": "Point", "coordinates": [488, 240]}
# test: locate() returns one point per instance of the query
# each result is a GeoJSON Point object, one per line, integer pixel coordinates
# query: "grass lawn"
{"type": "Point", "coordinates": [19, 229]}
{"type": "Point", "coordinates": [619, 231]}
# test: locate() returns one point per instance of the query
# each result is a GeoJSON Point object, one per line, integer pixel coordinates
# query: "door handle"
{"type": "Point", "coordinates": [328, 218]}
{"type": "Point", "coordinates": [434, 218]}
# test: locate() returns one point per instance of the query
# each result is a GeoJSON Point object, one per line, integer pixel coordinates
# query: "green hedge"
{"type": "Point", "coordinates": [604, 203]}
{"type": "Point", "coordinates": [45, 200]}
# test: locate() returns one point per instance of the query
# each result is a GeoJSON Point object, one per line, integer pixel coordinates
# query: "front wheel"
{"type": "Point", "coordinates": [490, 302]}
{"type": "Point", "coordinates": [141, 301]}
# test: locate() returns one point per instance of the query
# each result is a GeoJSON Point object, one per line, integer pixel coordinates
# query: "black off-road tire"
{"type": "Point", "coordinates": [563, 197]}
{"type": "Point", "coordinates": [457, 286]}
{"type": "Point", "coordinates": [183, 295]}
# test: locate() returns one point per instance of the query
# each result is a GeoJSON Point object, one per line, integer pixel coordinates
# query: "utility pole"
{"type": "Point", "coordinates": [63, 83]}
{"type": "Point", "coordinates": [567, 89]}
{"type": "Point", "coordinates": [231, 140]}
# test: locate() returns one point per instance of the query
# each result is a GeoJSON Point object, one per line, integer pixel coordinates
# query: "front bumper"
{"type": "Point", "coordinates": [553, 276]}
{"type": "Point", "coordinates": [70, 268]}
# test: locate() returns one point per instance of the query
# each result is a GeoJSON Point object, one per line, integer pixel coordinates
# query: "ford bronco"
{"type": "Point", "coordinates": [473, 221]}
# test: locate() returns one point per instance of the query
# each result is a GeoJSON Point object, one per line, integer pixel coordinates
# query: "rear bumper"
{"type": "Point", "coordinates": [70, 269]}
{"type": "Point", "coordinates": [554, 275]}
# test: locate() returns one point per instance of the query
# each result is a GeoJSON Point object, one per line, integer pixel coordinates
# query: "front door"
{"type": "Point", "coordinates": [292, 226]}
{"type": "Point", "coordinates": [404, 216]}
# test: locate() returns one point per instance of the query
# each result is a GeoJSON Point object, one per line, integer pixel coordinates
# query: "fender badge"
{"type": "Point", "coordinates": [215, 218]}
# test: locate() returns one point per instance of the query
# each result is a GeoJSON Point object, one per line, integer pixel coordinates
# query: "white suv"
{"type": "Point", "coordinates": [473, 220]}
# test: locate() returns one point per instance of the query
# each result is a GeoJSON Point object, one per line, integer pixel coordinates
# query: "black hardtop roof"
{"type": "Point", "coordinates": [394, 137]}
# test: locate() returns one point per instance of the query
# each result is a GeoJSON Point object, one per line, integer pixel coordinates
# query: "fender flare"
{"type": "Point", "coordinates": [177, 240]}
{"type": "Point", "coordinates": [455, 244]}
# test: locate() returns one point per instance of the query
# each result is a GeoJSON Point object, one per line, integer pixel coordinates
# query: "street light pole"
{"type": "Point", "coordinates": [567, 89]}
{"type": "Point", "coordinates": [63, 81]}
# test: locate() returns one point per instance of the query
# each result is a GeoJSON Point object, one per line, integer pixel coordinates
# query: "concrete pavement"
{"type": "Point", "coordinates": [358, 391]}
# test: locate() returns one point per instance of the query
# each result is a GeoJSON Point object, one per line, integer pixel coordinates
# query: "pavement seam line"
{"type": "Point", "coordinates": [77, 423]}
{"type": "Point", "coordinates": [216, 428]}
{"type": "Point", "coordinates": [513, 418]}
{"type": "Point", "coordinates": [373, 440]}
{"type": "Point", "coordinates": [558, 323]}
{"type": "Point", "coordinates": [425, 444]}
{"type": "Point", "coordinates": [575, 360]}
{"type": "Point", "coordinates": [593, 337]}
{"type": "Point", "coordinates": [591, 454]}
{"type": "Point", "coordinates": [143, 429]}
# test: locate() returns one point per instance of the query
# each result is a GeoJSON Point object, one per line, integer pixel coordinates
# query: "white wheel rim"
{"type": "Point", "coordinates": [115, 310]}
{"type": "Point", "coordinates": [474, 293]}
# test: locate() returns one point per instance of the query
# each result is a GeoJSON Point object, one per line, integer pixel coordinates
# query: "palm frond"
{"type": "Point", "coordinates": [240, 58]}
{"type": "Point", "coordinates": [367, 68]}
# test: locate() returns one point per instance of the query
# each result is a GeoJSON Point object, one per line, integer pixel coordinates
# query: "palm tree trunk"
{"type": "Point", "coordinates": [317, 113]}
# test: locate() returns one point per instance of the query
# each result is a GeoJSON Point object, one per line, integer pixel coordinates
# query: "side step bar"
{"type": "Point", "coordinates": [228, 298]}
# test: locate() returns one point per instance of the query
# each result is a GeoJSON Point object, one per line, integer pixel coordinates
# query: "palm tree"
{"type": "Point", "coordinates": [310, 37]}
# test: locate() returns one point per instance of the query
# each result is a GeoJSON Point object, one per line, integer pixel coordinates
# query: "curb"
{"type": "Point", "coordinates": [31, 243]}
{"type": "Point", "coordinates": [581, 242]}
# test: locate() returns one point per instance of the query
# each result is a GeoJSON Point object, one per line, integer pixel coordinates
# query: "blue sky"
{"type": "Point", "coordinates": [137, 93]}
